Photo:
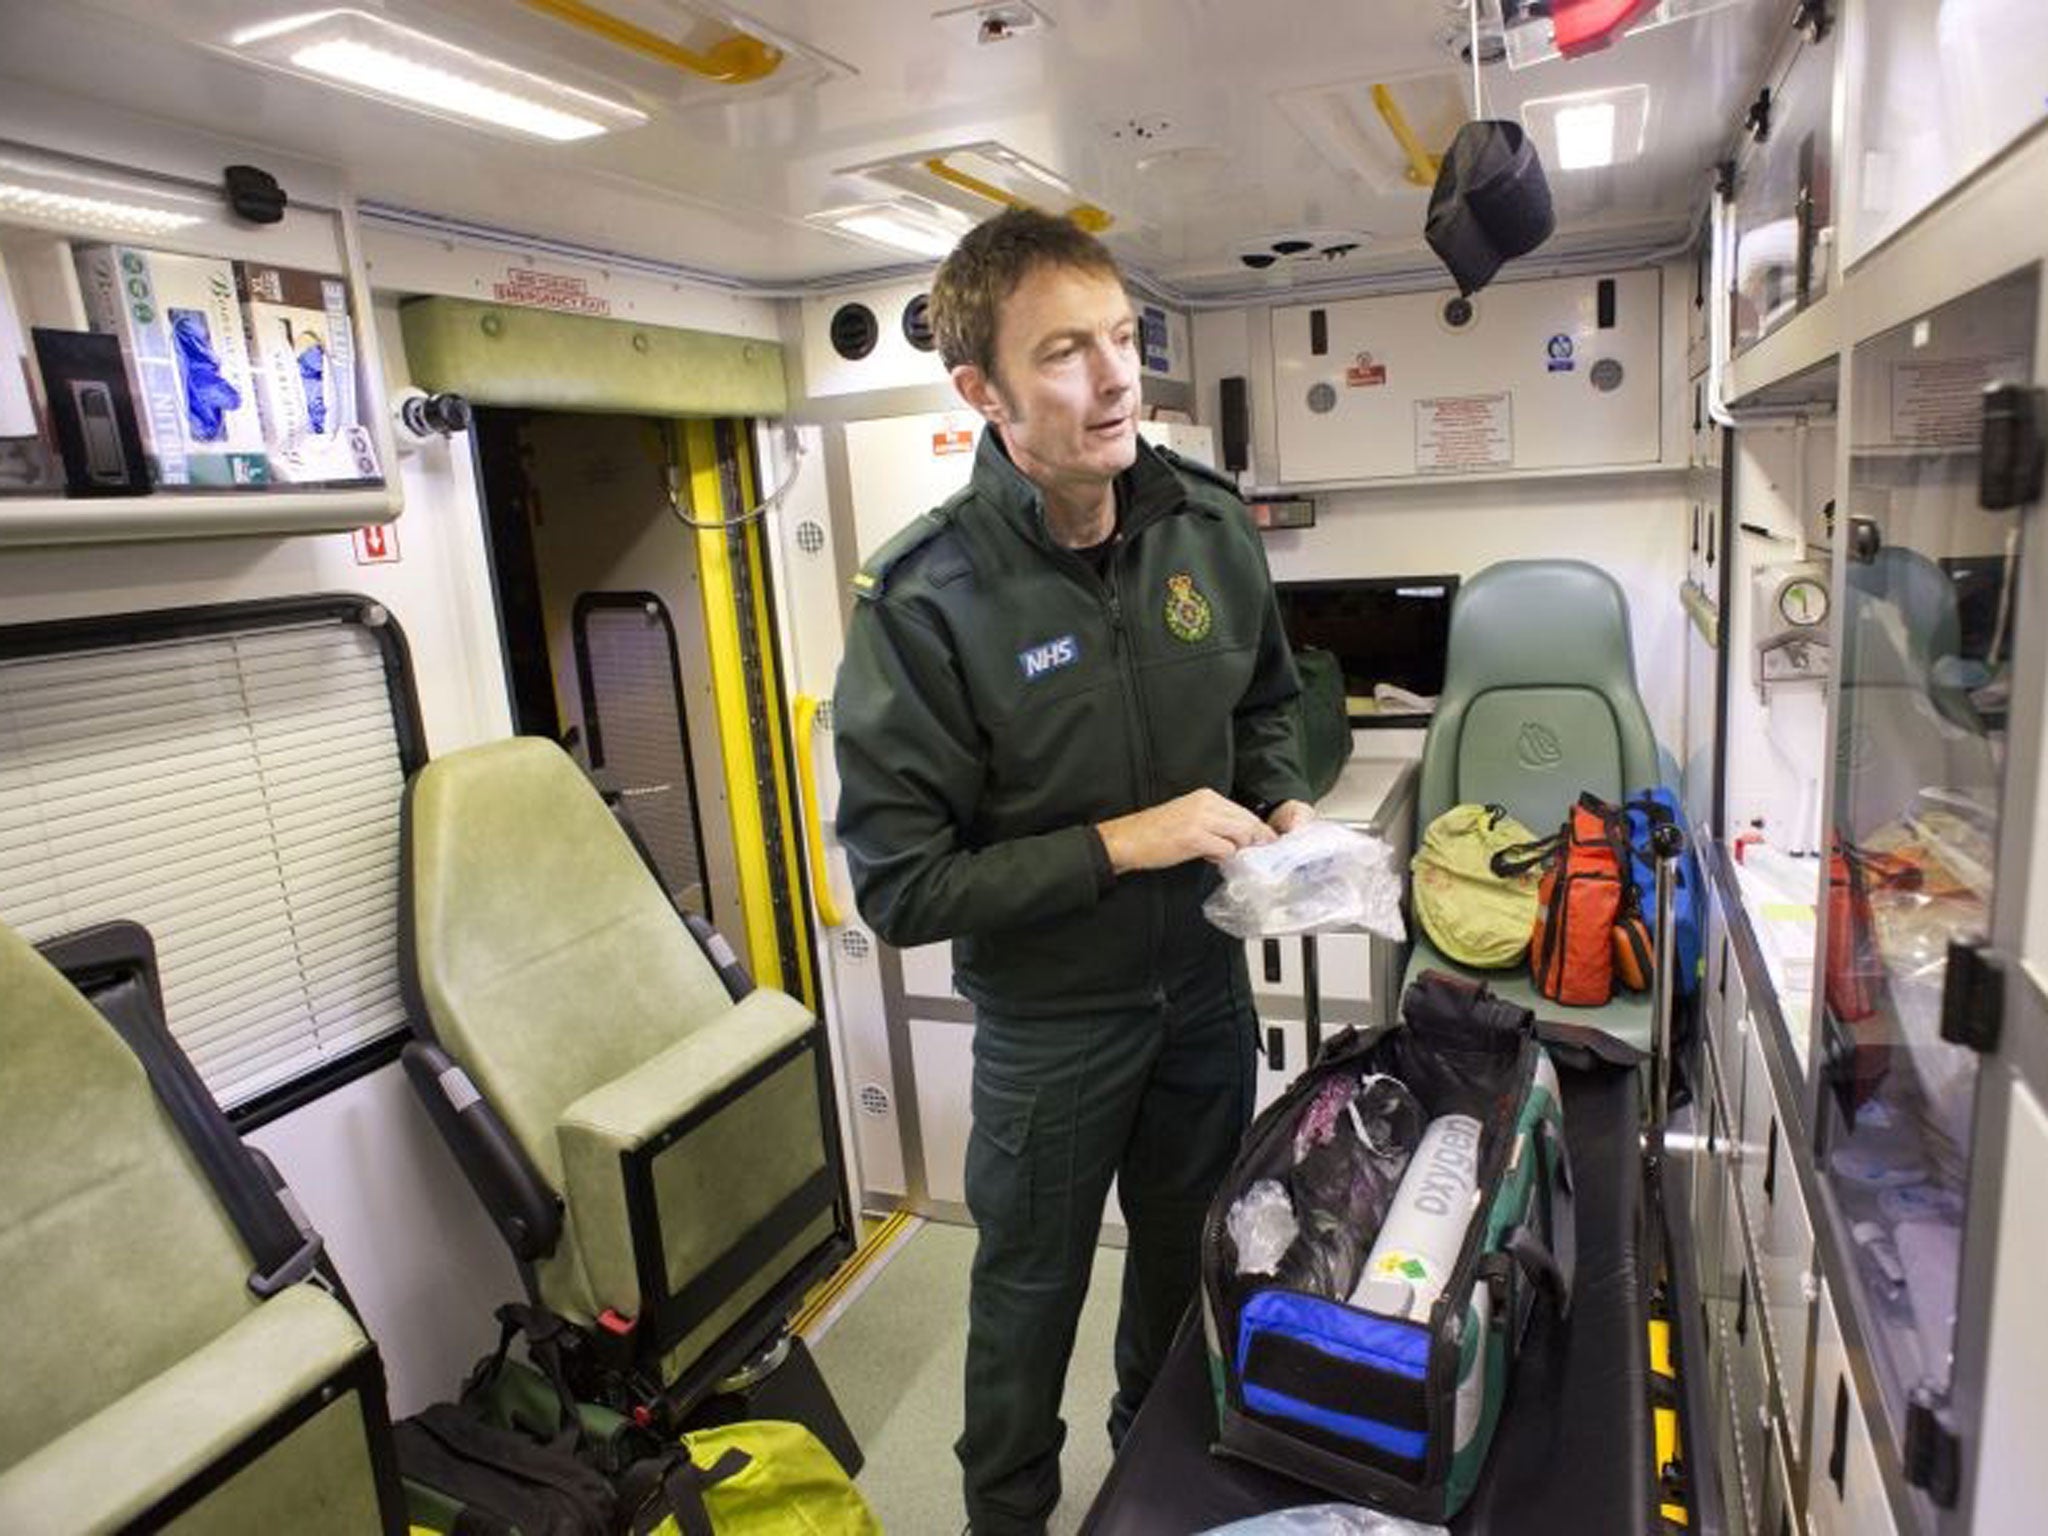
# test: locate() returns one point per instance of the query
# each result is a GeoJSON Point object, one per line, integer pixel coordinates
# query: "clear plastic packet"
{"type": "Point", "coordinates": [1326, 1520]}
{"type": "Point", "coordinates": [1321, 875]}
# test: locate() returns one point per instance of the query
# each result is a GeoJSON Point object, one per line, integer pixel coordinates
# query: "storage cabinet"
{"type": "Point", "coordinates": [1784, 238]}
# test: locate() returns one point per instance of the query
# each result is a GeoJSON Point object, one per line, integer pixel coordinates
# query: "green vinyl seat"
{"type": "Point", "coordinates": [655, 1141]}
{"type": "Point", "coordinates": [148, 1387]}
{"type": "Point", "coordinates": [1539, 704]}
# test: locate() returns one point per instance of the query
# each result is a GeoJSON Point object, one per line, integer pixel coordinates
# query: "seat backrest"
{"type": "Point", "coordinates": [1539, 699]}
{"type": "Point", "coordinates": [116, 1260]}
{"type": "Point", "coordinates": [548, 958]}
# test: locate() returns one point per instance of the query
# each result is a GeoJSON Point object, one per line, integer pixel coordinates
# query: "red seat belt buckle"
{"type": "Point", "coordinates": [611, 1322]}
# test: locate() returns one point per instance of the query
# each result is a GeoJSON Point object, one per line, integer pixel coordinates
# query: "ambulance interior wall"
{"type": "Point", "coordinates": [601, 519]}
{"type": "Point", "coordinates": [1632, 525]}
{"type": "Point", "coordinates": [404, 1229]}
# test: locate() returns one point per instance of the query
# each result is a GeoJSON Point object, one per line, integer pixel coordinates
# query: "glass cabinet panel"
{"type": "Point", "coordinates": [1920, 725]}
{"type": "Point", "coordinates": [1784, 221]}
{"type": "Point", "coordinates": [1936, 88]}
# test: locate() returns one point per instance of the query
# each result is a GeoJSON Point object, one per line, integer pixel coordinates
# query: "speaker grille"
{"type": "Point", "coordinates": [917, 323]}
{"type": "Point", "coordinates": [854, 331]}
{"type": "Point", "coordinates": [810, 538]}
{"type": "Point", "coordinates": [874, 1100]}
{"type": "Point", "coordinates": [854, 945]}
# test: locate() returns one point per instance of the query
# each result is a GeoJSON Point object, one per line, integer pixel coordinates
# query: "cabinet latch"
{"type": "Point", "coordinates": [1813, 18]}
{"type": "Point", "coordinates": [1758, 119]}
{"type": "Point", "coordinates": [1972, 996]}
{"type": "Point", "coordinates": [1933, 1454]}
{"type": "Point", "coordinates": [2009, 471]}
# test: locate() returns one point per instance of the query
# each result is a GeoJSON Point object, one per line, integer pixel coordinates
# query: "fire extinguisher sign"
{"type": "Point", "coordinates": [377, 545]}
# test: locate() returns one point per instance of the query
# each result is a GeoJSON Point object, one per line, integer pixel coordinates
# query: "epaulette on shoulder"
{"type": "Point", "coordinates": [873, 578]}
{"type": "Point", "coordinates": [1195, 469]}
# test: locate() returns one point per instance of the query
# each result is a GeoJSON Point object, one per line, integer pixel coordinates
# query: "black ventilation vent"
{"type": "Point", "coordinates": [917, 323]}
{"type": "Point", "coordinates": [854, 331]}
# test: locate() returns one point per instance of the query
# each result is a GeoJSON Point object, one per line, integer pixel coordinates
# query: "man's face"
{"type": "Point", "coordinates": [1065, 391]}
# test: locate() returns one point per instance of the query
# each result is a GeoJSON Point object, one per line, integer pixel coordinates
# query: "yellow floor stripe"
{"type": "Point", "coordinates": [876, 1243]}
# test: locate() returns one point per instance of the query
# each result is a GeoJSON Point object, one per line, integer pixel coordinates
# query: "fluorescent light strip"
{"type": "Point", "coordinates": [900, 233]}
{"type": "Point", "coordinates": [389, 74]}
{"type": "Point", "coordinates": [99, 212]}
{"type": "Point", "coordinates": [1585, 136]}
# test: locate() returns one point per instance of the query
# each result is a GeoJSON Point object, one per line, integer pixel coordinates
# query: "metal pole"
{"type": "Point", "coordinates": [1311, 998]}
{"type": "Point", "coordinates": [1665, 843]}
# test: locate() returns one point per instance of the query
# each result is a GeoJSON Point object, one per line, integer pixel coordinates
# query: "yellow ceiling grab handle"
{"type": "Point", "coordinates": [737, 60]}
{"type": "Point", "coordinates": [814, 829]}
{"type": "Point", "coordinates": [1089, 217]}
{"type": "Point", "coordinates": [1422, 165]}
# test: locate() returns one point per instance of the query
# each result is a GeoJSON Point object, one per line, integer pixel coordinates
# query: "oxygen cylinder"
{"type": "Point", "coordinates": [1425, 1227]}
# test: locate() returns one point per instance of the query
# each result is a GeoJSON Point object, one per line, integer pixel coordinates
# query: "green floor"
{"type": "Point", "coordinates": [894, 1360]}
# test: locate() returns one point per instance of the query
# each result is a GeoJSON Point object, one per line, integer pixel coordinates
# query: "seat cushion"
{"type": "Point", "coordinates": [1628, 1016]}
{"type": "Point", "coordinates": [717, 1180]}
{"type": "Point", "coordinates": [104, 1472]}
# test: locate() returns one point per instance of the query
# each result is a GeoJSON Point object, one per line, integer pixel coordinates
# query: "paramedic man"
{"type": "Point", "coordinates": [1062, 691]}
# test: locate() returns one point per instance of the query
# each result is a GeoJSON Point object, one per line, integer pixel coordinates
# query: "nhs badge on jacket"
{"type": "Point", "coordinates": [1048, 656]}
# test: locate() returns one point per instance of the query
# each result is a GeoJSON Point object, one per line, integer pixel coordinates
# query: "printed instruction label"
{"type": "Point", "coordinates": [952, 440]}
{"type": "Point", "coordinates": [1941, 404]}
{"type": "Point", "coordinates": [549, 290]}
{"type": "Point", "coordinates": [1464, 432]}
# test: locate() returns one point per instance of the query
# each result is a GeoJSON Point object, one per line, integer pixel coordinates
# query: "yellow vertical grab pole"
{"type": "Point", "coordinates": [729, 696]}
{"type": "Point", "coordinates": [776, 712]}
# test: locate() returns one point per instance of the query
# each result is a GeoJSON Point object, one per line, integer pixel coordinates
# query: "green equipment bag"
{"type": "Point", "coordinates": [1322, 720]}
{"type": "Point", "coordinates": [1390, 1395]}
{"type": "Point", "coordinates": [1476, 911]}
{"type": "Point", "coordinates": [763, 1478]}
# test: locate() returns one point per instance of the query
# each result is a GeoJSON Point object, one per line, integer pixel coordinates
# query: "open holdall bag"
{"type": "Point", "coordinates": [1372, 1262]}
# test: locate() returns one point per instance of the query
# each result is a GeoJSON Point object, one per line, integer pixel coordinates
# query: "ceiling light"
{"type": "Point", "coordinates": [1585, 136]}
{"type": "Point", "coordinates": [917, 230]}
{"type": "Point", "coordinates": [368, 54]}
{"type": "Point", "coordinates": [1589, 129]}
{"type": "Point", "coordinates": [41, 206]}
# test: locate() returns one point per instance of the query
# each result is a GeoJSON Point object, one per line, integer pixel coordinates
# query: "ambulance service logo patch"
{"type": "Point", "coordinates": [1188, 615]}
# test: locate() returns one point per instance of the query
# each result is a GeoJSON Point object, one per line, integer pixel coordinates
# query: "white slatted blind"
{"type": "Point", "coordinates": [238, 796]}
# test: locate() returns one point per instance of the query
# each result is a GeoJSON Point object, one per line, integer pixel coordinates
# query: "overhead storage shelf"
{"type": "Point", "coordinates": [182, 370]}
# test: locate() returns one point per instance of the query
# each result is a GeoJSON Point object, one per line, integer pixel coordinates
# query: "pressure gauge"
{"type": "Point", "coordinates": [1803, 603]}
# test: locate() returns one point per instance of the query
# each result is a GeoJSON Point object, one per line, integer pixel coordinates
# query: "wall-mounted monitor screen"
{"type": "Point", "coordinates": [1388, 633]}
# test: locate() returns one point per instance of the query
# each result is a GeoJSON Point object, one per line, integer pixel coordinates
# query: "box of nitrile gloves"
{"type": "Point", "coordinates": [180, 330]}
{"type": "Point", "coordinates": [305, 354]}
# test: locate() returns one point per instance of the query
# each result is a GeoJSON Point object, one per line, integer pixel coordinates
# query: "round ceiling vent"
{"type": "Point", "coordinates": [917, 323]}
{"type": "Point", "coordinates": [854, 331]}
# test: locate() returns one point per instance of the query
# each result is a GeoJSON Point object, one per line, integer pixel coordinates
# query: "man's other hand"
{"type": "Point", "coordinates": [1198, 825]}
{"type": "Point", "coordinates": [1289, 814]}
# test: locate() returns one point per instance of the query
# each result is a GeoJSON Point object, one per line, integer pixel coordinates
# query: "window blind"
{"type": "Point", "coordinates": [237, 794]}
{"type": "Point", "coordinates": [639, 730]}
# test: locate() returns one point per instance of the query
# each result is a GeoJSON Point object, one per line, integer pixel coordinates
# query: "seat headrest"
{"type": "Point", "coordinates": [1534, 623]}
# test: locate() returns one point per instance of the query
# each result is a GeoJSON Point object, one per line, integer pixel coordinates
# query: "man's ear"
{"type": "Point", "coordinates": [980, 393]}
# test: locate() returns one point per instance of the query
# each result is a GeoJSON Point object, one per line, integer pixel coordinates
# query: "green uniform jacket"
{"type": "Point", "coordinates": [998, 698]}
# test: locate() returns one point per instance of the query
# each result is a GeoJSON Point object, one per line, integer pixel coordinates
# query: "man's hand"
{"type": "Point", "coordinates": [1289, 814]}
{"type": "Point", "coordinates": [1199, 825]}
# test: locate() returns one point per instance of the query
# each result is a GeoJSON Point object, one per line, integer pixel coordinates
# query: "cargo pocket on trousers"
{"type": "Point", "coordinates": [999, 1149]}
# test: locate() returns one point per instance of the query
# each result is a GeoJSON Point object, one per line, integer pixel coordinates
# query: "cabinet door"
{"type": "Point", "coordinates": [1844, 1490]}
{"type": "Point", "coordinates": [1928, 633]}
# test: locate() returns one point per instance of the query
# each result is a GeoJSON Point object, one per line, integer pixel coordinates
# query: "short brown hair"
{"type": "Point", "coordinates": [985, 269]}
